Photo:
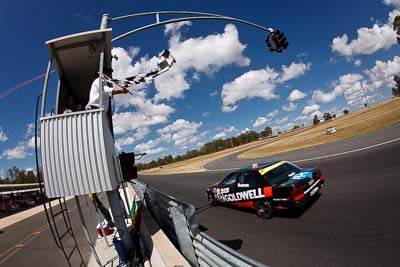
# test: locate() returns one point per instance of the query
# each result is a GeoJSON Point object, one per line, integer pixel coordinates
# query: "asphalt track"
{"type": "Point", "coordinates": [355, 221]}
{"type": "Point", "coordinates": [30, 243]}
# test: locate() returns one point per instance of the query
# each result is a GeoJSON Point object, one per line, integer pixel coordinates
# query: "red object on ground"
{"type": "Point", "coordinates": [106, 229]}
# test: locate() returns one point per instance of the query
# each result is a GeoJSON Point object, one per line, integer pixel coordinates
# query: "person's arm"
{"type": "Point", "coordinates": [117, 91]}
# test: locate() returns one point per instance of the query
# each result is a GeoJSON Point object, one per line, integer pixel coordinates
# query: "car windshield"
{"type": "Point", "coordinates": [281, 173]}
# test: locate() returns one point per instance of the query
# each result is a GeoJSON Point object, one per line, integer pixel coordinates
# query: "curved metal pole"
{"type": "Point", "coordinates": [163, 13]}
{"type": "Point", "coordinates": [189, 19]}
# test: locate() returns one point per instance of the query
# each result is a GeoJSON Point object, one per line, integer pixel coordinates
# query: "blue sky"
{"type": "Point", "coordinates": [225, 80]}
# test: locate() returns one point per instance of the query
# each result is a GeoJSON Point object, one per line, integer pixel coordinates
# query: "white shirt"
{"type": "Point", "coordinates": [94, 95]}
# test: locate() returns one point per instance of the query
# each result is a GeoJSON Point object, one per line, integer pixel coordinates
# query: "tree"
{"type": "Point", "coordinates": [315, 120]}
{"type": "Point", "coordinates": [346, 111]}
{"type": "Point", "coordinates": [396, 90]}
{"type": "Point", "coordinates": [327, 116]}
{"type": "Point", "coordinates": [266, 132]}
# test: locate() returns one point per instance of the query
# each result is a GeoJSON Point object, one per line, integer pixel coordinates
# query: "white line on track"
{"type": "Point", "coordinates": [348, 152]}
{"type": "Point", "coordinates": [328, 156]}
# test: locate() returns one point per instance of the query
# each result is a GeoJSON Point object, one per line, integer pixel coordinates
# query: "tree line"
{"type": "Point", "coordinates": [209, 147]}
{"type": "Point", "coordinates": [15, 175]}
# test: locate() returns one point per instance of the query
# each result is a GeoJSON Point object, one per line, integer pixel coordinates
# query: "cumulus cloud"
{"type": "Point", "coordinates": [310, 109]}
{"type": "Point", "coordinates": [148, 146]}
{"type": "Point", "coordinates": [272, 114]}
{"type": "Point", "coordinates": [382, 73]}
{"type": "Point", "coordinates": [219, 135]}
{"type": "Point", "coordinates": [348, 84]}
{"type": "Point", "coordinates": [245, 130]}
{"type": "Point", "coordinates": [205, 114]}
{"type": "Point", "coordinates": [296, 95]}
{"type": "Point", "coordinates": [18, 152]}
{"type": "Point", "coordinates": [289, 107]}
{"type": "Point", "coordinates": [369, 40]}
{"type": "Point", "coordinates": [396, 3]}
{"type": "Point", "coordinates": [225, 132]}
{"type": "Point", "coordinates": [180, 132]}
{"type": "Point", "coordinates": [23, 148]}
{"type": "Point", "coordinates": [294, 70]}
{"type": "Point", "coordinates": [202, 55]}
{"type": "Point", "coordinates": [260, 121]}
{"type": "Point", "coordinates": [132, 121]}
{"type": "Point", "coordinates": [131, 137]}
{"type": "Point", "coordinates": [357, 62]}
{"type": "Point", "coordinates": [3, 136]}
{"type": "Point", "coordinates": [258, 83]}
{"type": "Point", "coordinates": [281, 121]}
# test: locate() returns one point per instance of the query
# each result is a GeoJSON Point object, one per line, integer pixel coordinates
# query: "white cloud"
{"type": "Point", "coordinates": [173, 28]}
{"type": "Point", "coordinates": [131, 137]}
{"type": "Point", "coordinates": [3, 136]}
{"type": "Point", "coordinates": [281, 121]}
{"type": "Point", "coordinates": [180, 132]}
{"type": "Point", "coordinates": [30, 130]}
{"type": "Point", "coordinates": [225, 132]}
{"type": "Point", "coordinates": [396, 3]}
{"type": "Point", "coordinates": [203, 55]}
{"type": "Point", "coordinates": [382, 73]}
{"type": "Point", "coordinates": [296, 95]}
{"type": "Point", "coordinates": [357, 62]}
{"type": "Point", "coordinates": [272, 114]}
{"type": "Point", "coordinates": [219, 135]}
{"type": "Point", "coordinates": [145, 147]}
{"type": "Point", "coordinates": [369, 40]}
{"type": "Point", "coordinates": [245, 130]}
{"type": "Point", "coordinates": [205, 114]}
{"type": "Point", "coordinates": [31, 142]}
{"type": "Point", "coordinates": [258, 83]}
{"type": "Point", "coordinates": [348, 85]}
{"type": "Point", "coordinates": [260, 121]}
{"type": "Point", "coordinates": [290, 107]}
{"type": "Point", "coordinates": [214, 93]}
{"type": "Point", "coordinates": [18, 152]}
{"type": "Point", "coordinates": [231, 129]}
{"type": "Point", "coordinates": [310, 109]}
{"type": "Point", "coordinates": [131, 121]}
{"type": "Point", "coordinates": [293, 71]}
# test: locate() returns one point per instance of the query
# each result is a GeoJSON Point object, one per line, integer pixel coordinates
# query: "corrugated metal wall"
{"type": "Point", "coordinates": [78, 153]}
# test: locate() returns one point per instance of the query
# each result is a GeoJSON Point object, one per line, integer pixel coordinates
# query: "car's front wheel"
{"type": "Point", "coordinates": [213, 200]}
{"type": "Point", "coordinates": [264, 209]}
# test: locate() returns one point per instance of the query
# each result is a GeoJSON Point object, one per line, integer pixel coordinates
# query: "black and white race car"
{"type": "Point", "coordinates": [267, 186]}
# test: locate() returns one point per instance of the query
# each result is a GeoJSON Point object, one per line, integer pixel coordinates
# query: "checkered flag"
{"type": "Point", "coordinates": [165, 62]}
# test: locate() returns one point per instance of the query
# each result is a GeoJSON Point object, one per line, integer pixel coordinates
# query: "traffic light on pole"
{"type": "Point", "coordinates": [277, 41]}
{"type": "Point", "coordinates": [129, 170]}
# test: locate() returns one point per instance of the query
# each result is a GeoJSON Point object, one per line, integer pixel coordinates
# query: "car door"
{"type": "Point", "coordinates": [227, 188]}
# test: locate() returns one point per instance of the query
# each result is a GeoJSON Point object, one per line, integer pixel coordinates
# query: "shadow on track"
{"type": "Point", "coordinates": [289, 214]}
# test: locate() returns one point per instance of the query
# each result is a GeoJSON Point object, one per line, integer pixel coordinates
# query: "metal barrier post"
{"type": "Point", "coordinates": [183, 235]}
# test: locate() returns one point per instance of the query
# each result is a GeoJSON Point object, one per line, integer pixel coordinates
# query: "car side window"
{"type": "Point", "coordinates": [229, 181]}
{"type": "Point", "coordinates": [243, 180]}
{"type": "Point", "coordinates": [280, 174]}
{"type": "Point", "coordinates": [254, 178]}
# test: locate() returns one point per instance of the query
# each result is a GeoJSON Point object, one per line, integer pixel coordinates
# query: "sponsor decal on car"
{"type": "Point", "coordinates": [267, 169]}
{"type": "Point", "coordinates": [302, 175]}
{"type": "Point", "coordinates": [244, 195]}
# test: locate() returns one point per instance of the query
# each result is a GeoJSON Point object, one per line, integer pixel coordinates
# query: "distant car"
{"type": "Point", "coordinates": [11, 206]}
{"type": "Point", "coordinates": [267, 186]}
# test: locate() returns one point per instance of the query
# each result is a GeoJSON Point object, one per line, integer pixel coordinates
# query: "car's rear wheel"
{"type": "Point", "coordinates": [264, 209]}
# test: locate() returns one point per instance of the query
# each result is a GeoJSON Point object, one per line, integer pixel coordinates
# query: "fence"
{"type": "Point", "coordinates": [176, 219]}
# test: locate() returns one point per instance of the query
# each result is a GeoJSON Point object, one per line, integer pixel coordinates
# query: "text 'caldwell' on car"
{"type": "Point", "coordinates": [267, 186]}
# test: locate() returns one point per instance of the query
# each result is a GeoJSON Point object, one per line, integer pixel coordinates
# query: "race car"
{"type": "Point", "coordinates": [267, 186]}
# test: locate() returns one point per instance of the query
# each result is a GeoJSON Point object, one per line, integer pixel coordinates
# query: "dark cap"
{"type": "Point", "coordinates": [107, 69]}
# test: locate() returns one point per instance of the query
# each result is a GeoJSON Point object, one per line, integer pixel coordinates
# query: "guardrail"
{"type": "Point", "coordinates": [176, 219]}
